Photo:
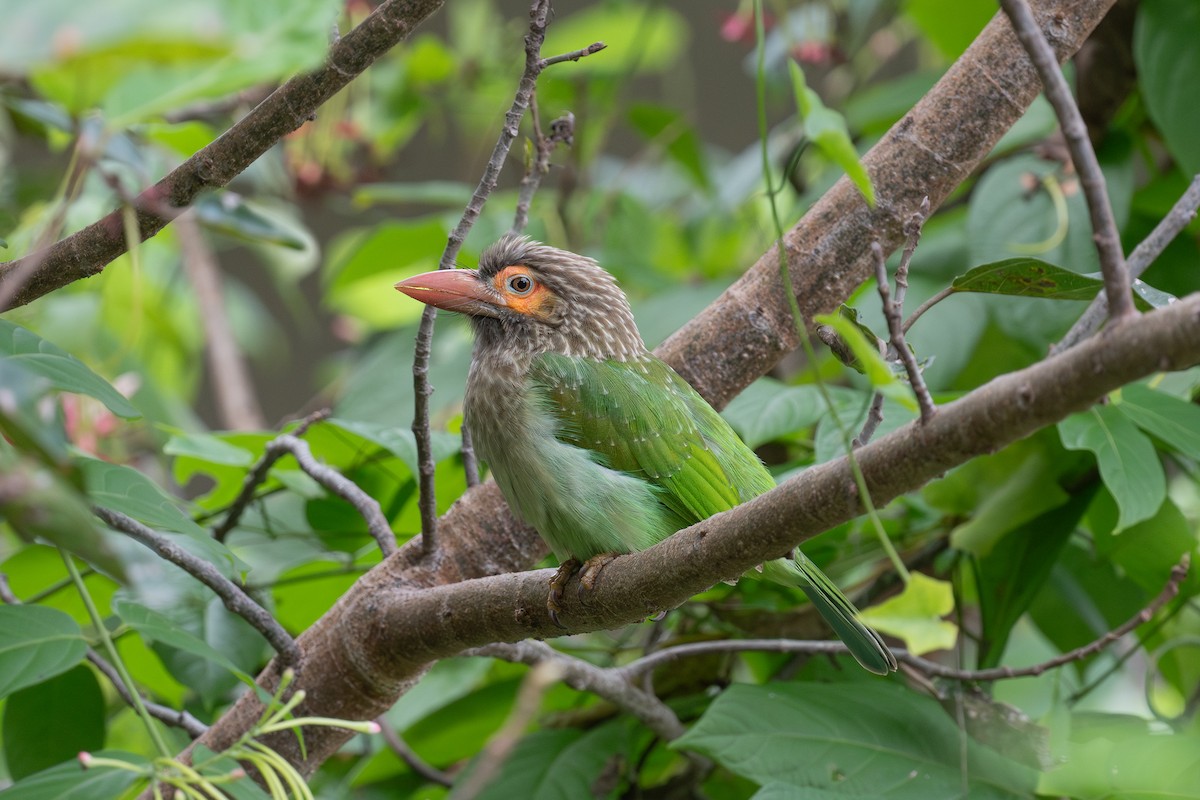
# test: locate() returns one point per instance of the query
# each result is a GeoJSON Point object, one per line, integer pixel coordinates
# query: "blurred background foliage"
{"type": "Point", "coordinates": [1046, 544]}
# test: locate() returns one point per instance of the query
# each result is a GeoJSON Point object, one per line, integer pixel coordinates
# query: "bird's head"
{"type": "Point", "coordinates": [528, 296]}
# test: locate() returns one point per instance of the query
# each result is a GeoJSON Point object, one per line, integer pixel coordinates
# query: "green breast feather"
{"type": "Point", "coordinates": [641, 418]}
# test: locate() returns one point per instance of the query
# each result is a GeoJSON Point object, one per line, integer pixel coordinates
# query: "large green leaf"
{"type": "Point", "coordinates": [1164, 49]}
{"type": "Point", "coordinates": [128, 491]}
{"type": "Point", "coordinates": [1012, 573]}
{"type": "Point", "coordinates": [667, 128]}
{"type": "Point", "coordinates": [52, 721]}
{"type": "Point", "coordinates": [561, 764]}
{"type": "Point", "coordinates": [646, 39]}
{"type": "Point", "coordinates": [63, 370]}
{"type": "Point", "coordinates": [1119, 757]}
{"type": "Point", "coordinates": [1028, 277]}
{"type": "Point", "coordinates": [769, 409]}
{"type": "Point", "coordinates": [1128, 464]}
{"type": "Point", "coordinates": [915, 615]}
{"type": "Point", "coordinates": [873, 738]}
{"type": "Point", "coordinates": [71, 782]}
{"type": "Point", "coordinates": [161, 628]}
{"type": "Point", "coordinates": [36, 643]}
{"type": "Point", "coordinates": [1174, 421]}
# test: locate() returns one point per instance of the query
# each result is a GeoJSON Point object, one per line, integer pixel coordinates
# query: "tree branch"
{"type": "Point", "coordinates": [384, 632]}
{"type": "Point", "coordinates": [230, 593]}
{"type": "Point", "coordinates": [88, 251]}
{"type": "Point", "coordinates": [928, 152]}
{"type": "Point", "coordinates": [1091, 179]}
{"type": "Point", "coordinates": [611, 684]}
{"type": "Point", "coordinates": [180, 719]}
{"type": "Point", "coordinates": [539, 19]}
{"type": "Point", "coordinates": [1180, 215]}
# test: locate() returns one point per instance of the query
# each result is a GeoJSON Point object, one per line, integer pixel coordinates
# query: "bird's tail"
{"type": "Point", "coordinates": [864, 644]}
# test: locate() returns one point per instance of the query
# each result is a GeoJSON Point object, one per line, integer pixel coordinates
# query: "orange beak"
{"type": "Point", "coordinates": [458, 290]}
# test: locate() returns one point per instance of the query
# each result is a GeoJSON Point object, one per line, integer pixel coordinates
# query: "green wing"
{"type": "Point", "coordinates": [640, 417]}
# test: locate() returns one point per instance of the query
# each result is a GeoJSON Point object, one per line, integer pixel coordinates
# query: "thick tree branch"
{"type": "Point", "coordinates": [359, 673]}
{"type": "Point", "coordinates": [928, 152]}
{"type": "Point", "coordinates": [383, 633]}
{"type": "Point", "coordinates": [88, 251]}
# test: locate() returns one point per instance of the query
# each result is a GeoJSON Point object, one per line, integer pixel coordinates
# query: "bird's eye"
{"type": "Point", "coordinates": [519, 284]}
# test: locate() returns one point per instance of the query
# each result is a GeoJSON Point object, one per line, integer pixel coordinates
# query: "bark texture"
{"type": "Point", "coordinates": [406, 613]}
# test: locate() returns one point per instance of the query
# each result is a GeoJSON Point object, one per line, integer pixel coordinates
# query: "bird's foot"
{"type": "Point", "coordinates": [591, 571]}
{"type": "Point", "coordinates": [557, 584]}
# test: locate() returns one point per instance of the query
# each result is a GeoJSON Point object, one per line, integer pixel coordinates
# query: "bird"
{"type": "Point", "coordinates": [594, 441]}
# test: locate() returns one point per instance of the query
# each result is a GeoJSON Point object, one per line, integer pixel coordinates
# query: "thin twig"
{"type": "Point", "coordinates": [539, 20]}
{"type": "Point", "coordinates": [1091, 179]}
{"type": "Point", "coordinates": [469, 458]}
{"type": "Point", "coordinates": [258, 475]}
{"type": "Point", "coordinates": [892, 313]}
{"type": "Point", "coordinates": [912, 234]}
{"type": "Point", "coordinates": [180, 719]}
{"type": "Point", "coordinates": [561, 130]}
{"type": "Point", "coordinates": [409, 756]}
{"type": "Point", "coordinates": [1181, 214]}
{"type": "Point", "coordinates": [368, 507]}
{"type": "Point", "coordinates": [928, 304]}
{"type": "Point", "coordinates": [574, 55]}
{"type": "Point", "coordinates": [232, 595]}
{"type": "Point", "coordinates": [874, 417]}
{"type": "Point", "coordinates": [930, 668]}
{"type": "Point", "coordinates": [237, 403]}
{"type": "Point", "coordinates": [88, 251]}
{"type": "Point", "coordinates": [613, 685]}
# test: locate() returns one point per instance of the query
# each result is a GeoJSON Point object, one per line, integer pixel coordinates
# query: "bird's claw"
{"type": "Point", "coordinates": [591, 572]}
{"type": "Point", "coordinates": [557, 584]}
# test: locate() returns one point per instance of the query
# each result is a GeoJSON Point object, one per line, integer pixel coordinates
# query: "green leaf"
{"type": "Point", "coordinates": [667, 127]}
{"type": "Point", "coordinates": [951, 25]}
{"type": "Point", "coordinates": [449, 194]}
{"type": "Point", "coordinates": [769, 409]}
{"type": "Point", "coordinates": [53, 721]}
{"type": "Point", "coordinates": [63, 370]}
{"type": "Point", "coordinates": [40, 503]}
{"type": "Point", "coordinates": [1028, 277]}
{"type": "Point", "coordinates": [1128, 464]}
{"type": "Point", "coordinates": [446, 681]}
{"type": "Point", "coordinates": [72, 782]}
{"type": "Point", "coordinates": [872, 363]}
{"type": "Point", "coordinates": [871, 738]}
{"type": "Point", "coordinates": [1116, 757]}
{"type": "Point", "coordinates": [1174, 421]}
{"type": "Point", "coordinates": [827, 129]}
{"type": "Point", "coordinates": [1017, 566]}
{"type": "Point", "coordinates": [234, 216]}
{"type": "Point", "coordinates": [561, 764]}
{"type": "Point", "coordinates": [128, 491]}
{"type": "Point", "coordinates": [362, 267]}
{"type": "Point", "coordinates": [644, 40]}
{"type": "Point", "coordinates": [915, 615]}
{"type": "Point", "coordinates": [1164, 49]}
{"type": "Point", "coordinates": [1030, 490]}
{"type": "Point", "coordinates": [36, 643]}
{"type": "Point", "coordinates": [164, 630]}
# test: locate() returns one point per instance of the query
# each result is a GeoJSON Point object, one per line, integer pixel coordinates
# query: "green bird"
{"type": "Point", "coordinates": [594, 441]}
